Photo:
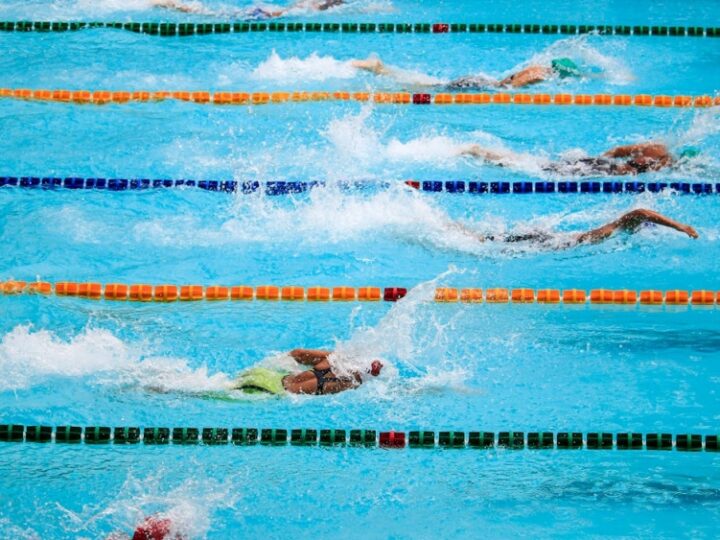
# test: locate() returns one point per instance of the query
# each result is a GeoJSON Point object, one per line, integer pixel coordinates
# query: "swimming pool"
{"type": "Point", "coordinates": [465, 367]}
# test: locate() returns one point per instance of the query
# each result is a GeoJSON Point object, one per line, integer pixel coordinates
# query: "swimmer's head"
{"type": "Point", "coordinates": [376, 367]}
{"type": "Point", "coordinates": [565, 67]}
{"type": "Point", "coordinates": [689, 152]}
{"type": "Point", "coordinates": [153, 528]}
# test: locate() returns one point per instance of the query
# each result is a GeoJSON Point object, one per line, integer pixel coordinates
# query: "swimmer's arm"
{"type": "Point", "coordinates": [655, 150]}
{"type": "Point", "coordinates": [527, 76]}
{"type": "Point", "coordinates": [630, 222]}
{"type": "Point", "coordinates": [309, 357]}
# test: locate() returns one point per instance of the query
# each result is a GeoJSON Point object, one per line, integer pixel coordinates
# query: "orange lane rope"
{"type": "Point", "coordinates": [103, 97]}
{"type": "Point", "coordinates": [172, 293]}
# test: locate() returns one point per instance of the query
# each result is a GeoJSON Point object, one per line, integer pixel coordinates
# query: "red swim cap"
{"type": "Point", "coordinates": [153, 528]}
{"type": "Point", "coordinates": [375, 368]}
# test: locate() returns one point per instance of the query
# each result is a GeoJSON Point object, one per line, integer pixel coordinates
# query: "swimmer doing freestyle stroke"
{"type": "Point", "coordinates": [559, 67]}
{"type": "Point", "coordinates": [625, 160]}
{"type": "Point", "coordinates": [255, 13]}
{"type": "Point", "coordinates": [319, 380]}
{"type": "Point", "coordinates": [630, 222]}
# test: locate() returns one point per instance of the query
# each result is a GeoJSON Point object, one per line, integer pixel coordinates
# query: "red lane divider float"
{"type": "Point", "coordinates": [140, 292]}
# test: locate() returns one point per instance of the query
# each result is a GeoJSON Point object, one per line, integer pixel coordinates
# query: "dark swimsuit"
{"type": "Point", "coordinates": [538, 237]}
{"type": "Point", "coordinates": [322, 378]}
{"type": "Point", "coordinates": [471, 81]}
{"type": "Point", "coordinates": [584, 167]}
{"type": "Point", "coordinates": [591, 166]}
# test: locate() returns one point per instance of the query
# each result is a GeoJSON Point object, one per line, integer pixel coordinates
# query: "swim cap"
{"type": "Point", "coordinates": [375, 368]}
{"type": "Point", "coordinates": [565, 67]}
{"type": "Point", "coordinates": [690, 152]}
{"type": "Point", "coordinates": [153, 528]}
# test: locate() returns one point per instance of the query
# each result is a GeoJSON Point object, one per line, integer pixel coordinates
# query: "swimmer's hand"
{"type": "Point", "coordinates": [687, 229]}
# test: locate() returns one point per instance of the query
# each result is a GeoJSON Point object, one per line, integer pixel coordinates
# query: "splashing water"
{"type": "Point", "coordinates": [357, 145]}
{"type": "Point", "coordinates": [334, 217]}
{"type": "Point", "coordinates": [322, 68]}
{"type": "Point", "coordinates": [328, 217]}
{"type": "Point", "coordinates": [189, 506]}
{"type": "Point", "coordinates": [578, 48]}
{"type": "Point", "coordinates": [409, 339]}
{"type": "Point", "coordinates": [392, 336]}
{"type": "Point", "coordinates": [27, 357]}
{"type": "Point", "coordinates": [294, 69]}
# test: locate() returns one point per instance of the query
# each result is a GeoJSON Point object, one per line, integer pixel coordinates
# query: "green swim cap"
{"type": "Point", "coordinates": [565, 67]}
{"type": "Point", "coordinates": [690, 152]}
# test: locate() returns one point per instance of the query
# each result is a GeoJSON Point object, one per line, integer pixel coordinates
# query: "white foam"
{"type": "Point", "coordinates": [392, 336]}
{"type": "Point", "coordinates": [294, 69]}
{"type": "Point", "coordinates": [578, 48]}
{"type": "Point", "coordinates": [189, 506]}
{"type": "Point", "coordinates": [705, 123]}
{"type": "Point", "coordinates": [358, 144]}
{"type": "Point", "coordinates": [27, 357]}
{"type": "Point", "coordinates": [10, 530]}
{"type": "Point", "coordinates": [413, 344]}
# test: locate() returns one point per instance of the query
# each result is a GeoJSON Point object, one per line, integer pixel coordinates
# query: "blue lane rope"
{"type": "Point", "coordinates": [514, 440]}
{"type": "Point", "coordinates": [291, 187]}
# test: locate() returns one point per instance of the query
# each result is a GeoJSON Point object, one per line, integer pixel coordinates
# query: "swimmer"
{"type": "Point", "coordinates": [255, 13]}
{"type": "Point", "coordinates": [559, 67]}
{"type": "Point", "coordinates": [319, 380]}
{"type": "Point", "coordinates": [629, 222]}
{"type": "Point", "coordinates": [626, 160]}
{"type": "Point", "coordinates": [152, 528]}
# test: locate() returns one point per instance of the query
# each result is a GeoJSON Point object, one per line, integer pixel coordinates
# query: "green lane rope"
{"type": "Point", "coordinates": [189, 29]}
{"type": "Point", "coordinates": [514, 440]}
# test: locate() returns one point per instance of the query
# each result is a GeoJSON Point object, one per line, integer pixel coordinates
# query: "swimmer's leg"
{"type": "Point", "coordinates": [493, 156]}
{"type": "Point", "coordinates": [630, 222]}
{"type": "Point", "coordinates": [372, 65]}
{"type": "Point", "coordinates": [376, 66]}
{"type": "Point", "coordinates": [456, 226]}
{"type": "Point", "coordinates": [177, 6]}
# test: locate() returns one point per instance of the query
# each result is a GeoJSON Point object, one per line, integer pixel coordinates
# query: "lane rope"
{"type": "Point", "coordinates": [139, 292]}
{"type": "Point", "coordinates": [584, 187]}
{"type": "Point", "coordinates": [293, 187]}
{"type": "Point", "coordinates": [104, 97]}
{"type": "Point", "coordinates": [513, 440]}
{"type": "Point", "coordinates": [190, 29]}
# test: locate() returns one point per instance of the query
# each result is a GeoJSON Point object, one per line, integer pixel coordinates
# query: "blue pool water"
{"type": "Point", "coordinates": [457, 367]}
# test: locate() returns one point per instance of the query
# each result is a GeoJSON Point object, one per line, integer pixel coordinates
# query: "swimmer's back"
{"type": "Point", "coordinates": [471, 81]}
